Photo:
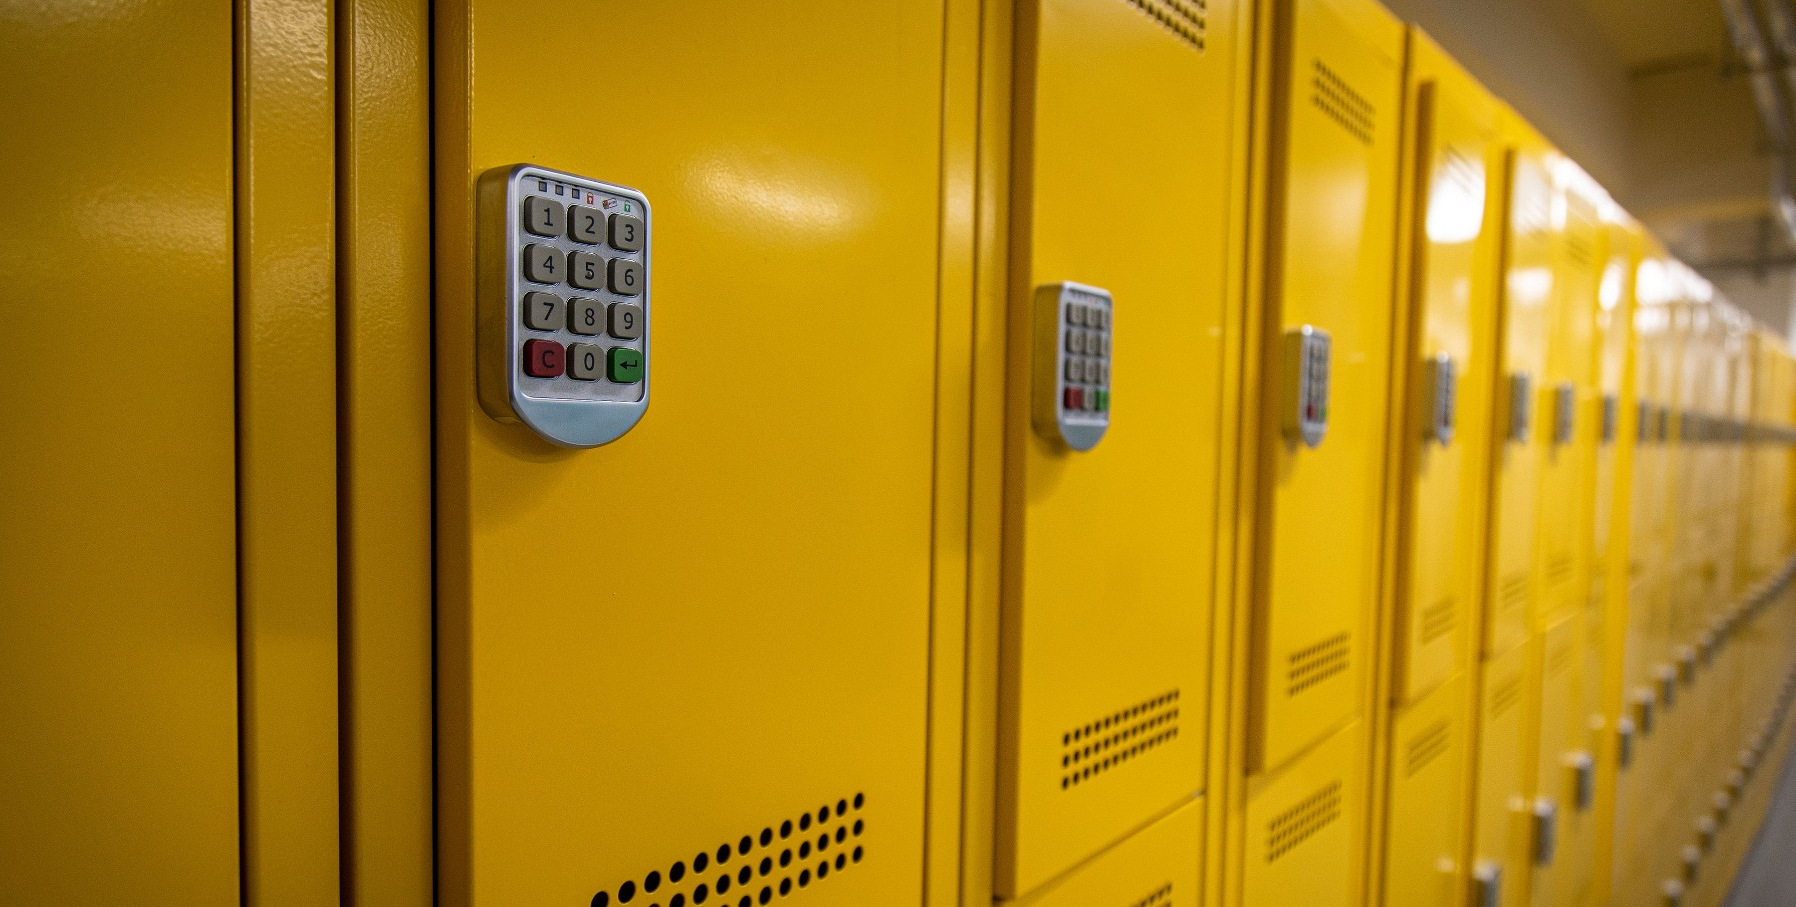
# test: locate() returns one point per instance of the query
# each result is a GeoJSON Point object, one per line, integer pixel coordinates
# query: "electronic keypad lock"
{"type": "Point", "coordinates": [1307, 352]}
{"type": "Point", "coordinates": [1440, 386]}
{"type": "Point", "coordinates": [1565, 402]}
{"type": "Point", "coordinates": [1073, 328]}
{"type": "Point", "coordinates": [1545, 816]}
{"type": "Point", "coordinates": [562, 323]}
{"type": "Point", "coordinates": [1611, 417]}
{"type": "Point", "coordinates": [1521, 406]}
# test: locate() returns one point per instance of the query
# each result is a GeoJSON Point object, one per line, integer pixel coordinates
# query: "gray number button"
{"type": "Point", "coordinates": [626, 277]}
{"type": "Point", "coordinates": [584, 361]}
{"type": "Point", "coordinates": [1075, 341]}
{"type": "Point", "coordinates": [585, 270]}
{"type": "Point", "coordinates": [1075, 369]}
{"type": "Point", "coordinates": [626, 233]}
{"type": "Point", "coordinates": [542, 216]}
{"type": "Point", "coordinates": [542, 264]}
{"type": "Point", "coordinates": [626, 321]}
{"type": "Point", "coordinates": [1075, 315]}
{"type": "Point", "coordinates": [542, 311]}
{"type": "Point", "coordinates": [586, 316]}
{"type": "Point", "coordinates": [584, 224]}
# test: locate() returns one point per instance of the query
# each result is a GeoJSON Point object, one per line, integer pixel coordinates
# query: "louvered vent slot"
{"type": "Point", "coordinates": [1303, 821]}
{"type": "Point", "coordinates": [1514, 591]}
{"type": "Point", "coordinates": [1437, 620]}
{"type": "Point", "coordinates": [1577, 248]}
{"type": "Point", "coordinates": [1313, 664]}
{"type": "Point", "coordinates": [1184, 19]}
{"type": "Point", "coordinates": [777, 861]}
{"type": "Point", "coordinates": [1505, 698]}
{"type": "Point", "coordinates": [1334, 97]}
{"type": "Point", "coordinates": [1106, 743]}
{"type": "Point", "coordinates": [1559, 568]}
{"type": "Point", "coordinates": [1159, 897]}
{"type": "Point", "coordinates": [1559, 661]}
{"type": "Point", "coordinates": [1424, 748]}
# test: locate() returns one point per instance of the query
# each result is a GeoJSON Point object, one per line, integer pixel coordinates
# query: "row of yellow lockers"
{"type": "Point", "coordinates": [1138, 452]}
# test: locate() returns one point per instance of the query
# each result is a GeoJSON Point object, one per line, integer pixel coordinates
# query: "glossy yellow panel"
{"type": "Point", "coordinates": [1522, 400]}
{"type": "Point", "coordinates": [1154, 867]}
{"type": "Point", "coordinates": [383, 176]}
{"type": "Point", "coordinates": [1330, 253]}
{"type": "Point", "coordinates": [1559, 740]}
{"type": "Point", "coordinates": [287, 451]}
{"type": "Point", "coordinates": [1456, 234]}
{"type": "Point", "coordinates": [719, 623]}
{"type": "Point", "coordinates": [1304, 827]}
{"type": "Point", "coordinates": [1578, 236]}
{"type": "Point", "coordinates": [1425, 821]}
{"type": "Point", "coordinates": [118, 596]}
{"type": "Point", "coordinates": [1110, 552]}
{"type": "Point", "coordinates": [1500, 826]}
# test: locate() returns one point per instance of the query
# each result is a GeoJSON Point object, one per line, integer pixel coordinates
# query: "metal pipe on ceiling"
{"type": "Point", "coordinates": [1766, 53]}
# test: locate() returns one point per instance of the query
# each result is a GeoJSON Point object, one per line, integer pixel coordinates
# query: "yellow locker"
{"type": "Point", "coordinates": [1563, 772]}
{"type": "Point", "coordinates": [1329, 312]}
{"type": "Point", "coordinates": [697, 659]}
{"type": "Point", "coordinates": [1452, 349]}
{"type": "Point", "coordinates": [1577, 231]}
{"type": "Point", "coordinates": [1109, 552]}
{"type": "Point", "coordinates": [1155, 867]}
{"type": "Point", "coordinates": [1521, 422]}
{"type": "Point", "coordinates": [1427, 790]}
{"type": "Point", "coordinates": [1502, 826]}
{"type": "Point", "coordinates": [1304, 825]}
{"type": "Point", "coordinates": [119, 676]}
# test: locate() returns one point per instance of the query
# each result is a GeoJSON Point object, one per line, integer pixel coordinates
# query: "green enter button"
{"type": "Point", "coordinates": [623, 365]}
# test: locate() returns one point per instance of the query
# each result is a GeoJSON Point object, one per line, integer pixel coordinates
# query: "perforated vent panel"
{"type": "Point", "coordinates": [1301, 822]}
{"type": "Point", "coordinates": [1185, 19]}
{"type": "Point", "coordinates": [1559, 568]}
{"type": "Point", "coordinates": [1333, 96]}
{"type": "Point", "coordinates": [778, 861]}
{"type": "Point", "coordinates": [1505, 697]}
{"type": "Point", "coordinates": [1159, 897]}
{"type": "Point", "coordinates": [1424, 747]}
{"type": "Point", "coordinates": [1437, 620]}
{"type": "Point", "coordinates": [1116, 738]}
{"type": "Point", "coordinates": [1513, 591]}
{"type": "Point", "coordinates": [1315, 663]}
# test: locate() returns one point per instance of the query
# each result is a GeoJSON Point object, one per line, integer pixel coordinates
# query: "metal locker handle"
{"type": "Point", "coordinates": [1487, 884]}
{"type": "Point", "coordinates": [1546, 831]}
{"type": "Point", "coordinates": [1583, 779]}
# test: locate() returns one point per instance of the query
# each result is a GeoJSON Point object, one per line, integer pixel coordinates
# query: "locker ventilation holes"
{"type": "Point", "coordinates": [1184, 18]}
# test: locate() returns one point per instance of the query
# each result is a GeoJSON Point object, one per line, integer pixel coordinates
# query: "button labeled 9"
{"type": "Point", "coordinates": [626, 321]}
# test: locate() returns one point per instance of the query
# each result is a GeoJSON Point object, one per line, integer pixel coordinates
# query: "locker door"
{"type": "Point", "coordinates": [695, 660]}
{"type": "Point", "coordinates": [1304, 827]}
{"type": "Point", "coordinates": [1427, 800]}
{"type": "Point", "coordinates": [1452, 359]}
{"type": "Point", "coordinates": [118, 482]}
{"type": "Point", "coordinates": [1528, 288]}
{"type": "Point", "coordinates": [1335, 163]}
{"type": "Point", "coordinates": [1109, 552]}
{"type": "Point", "coordinates": [1567, 392]}
{"type": "Point", "coordinates": [1501, 829]}
{"type": "Point", "coordinates": [1156, 867]}
{"type": "Point", "coordinates": [1560, 747]}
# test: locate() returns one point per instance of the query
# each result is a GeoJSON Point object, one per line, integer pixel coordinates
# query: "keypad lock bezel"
{"type": "Point", "coordinates": [1440, 389]}
{"type": "Point", "coordinates": [1565, 412]}
{"type": "Point", "coordinates": [567, 409]}
{"type": "Point", "coordinates": [1073, 410]}
{"type": "Point", "coordinates": [1521, 406]}
{"type": "Point", "coordinates": [1611, 417]}
{"type": "Point", "coordinates": [1308, 355]}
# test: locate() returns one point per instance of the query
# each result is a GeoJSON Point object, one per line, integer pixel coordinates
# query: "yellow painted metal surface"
{"type": "Point", "coordinates": [1500, 803]}
{"type": "Point", "coordinates": [1455, 227]}
{"type": "Point", "coordinates": [383, 244]}
{"type": "Point", "coordinates": [1559, 739]}
{"type": "Point", "coordinates": [118, 604]}
{"type": "Point", "coordinates": [1427, 793]}
{"type": "Point", "coordinates": [1304, 827]}
{"type": "Point", "coordinates": [1110, 552]}
{"type": "Point", "coordinates": [1338, 102]}
{"type": "Point", "coordinates": [287, 451]}
{"type": "Point", "coordinates": [743, 621]}
{"type": "Point", "coordinates": [1518, 447]}
{"type": "Point", "coordinates": [1155, 867]}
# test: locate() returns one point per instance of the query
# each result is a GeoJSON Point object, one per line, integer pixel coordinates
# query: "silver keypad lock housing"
{"type": "Point", "coordinates": [563, 303]}
{"type": "Point", "coordinates": [1440, 377]}
{"type": "Point", "coordinates": [1308, 353]}
{"type": "Point", "coordinates": [1074, 324]}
